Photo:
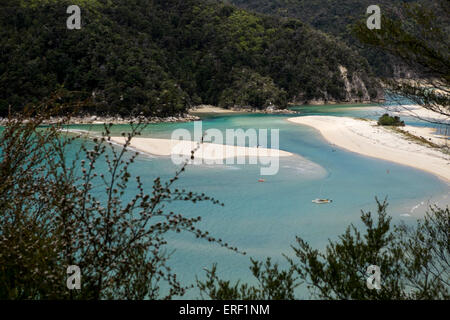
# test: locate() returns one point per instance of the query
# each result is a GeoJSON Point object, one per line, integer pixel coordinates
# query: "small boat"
{"type": "Point", "coordinates": [322, 201]}
{"type": "Point", "coordinates": [261, 180]}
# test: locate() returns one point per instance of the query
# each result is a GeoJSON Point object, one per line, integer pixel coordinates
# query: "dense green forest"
{"type": "Point", "coordinates": [159, 57]}
{"type": "Point", "coordinates": [330, 16]}
{"type": "Point", "coordinates": [336, 18]}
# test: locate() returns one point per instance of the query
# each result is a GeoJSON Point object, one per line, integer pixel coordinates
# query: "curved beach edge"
{"type": "Point", "coordinates": [365, 137]}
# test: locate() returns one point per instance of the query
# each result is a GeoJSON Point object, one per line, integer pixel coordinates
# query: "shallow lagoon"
{"type": "Point", "coordinates": [263, 219]}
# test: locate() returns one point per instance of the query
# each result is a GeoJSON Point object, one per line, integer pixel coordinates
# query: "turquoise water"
{"type": "Point", "coordinates": [263, 219]}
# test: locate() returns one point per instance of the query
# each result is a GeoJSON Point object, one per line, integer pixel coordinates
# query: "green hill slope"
{"type": "Point", "coordinates": [163, 56]}
{"type": "Point", "coordinates": [335, 18]}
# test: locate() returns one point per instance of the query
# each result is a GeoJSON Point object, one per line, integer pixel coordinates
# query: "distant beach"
{"type": "Point", "coordinates": [209, 109]}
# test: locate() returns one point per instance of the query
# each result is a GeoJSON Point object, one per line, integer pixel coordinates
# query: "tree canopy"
{"type": "Point", "coordinates": [337, 18]}
{"type": "Point", "coordinates": [419, 37]}
{"type": "Point", "coordinates": [161, 57]}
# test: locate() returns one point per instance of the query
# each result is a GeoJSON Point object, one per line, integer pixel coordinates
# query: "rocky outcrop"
{"type": "Point", "coordinates": [355, 89]}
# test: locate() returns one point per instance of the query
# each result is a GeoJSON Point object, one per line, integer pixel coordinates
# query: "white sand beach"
{"type": "Point", "coordinates": [367, 138]}
{"type": "Point", "coordinates": [207, 151]}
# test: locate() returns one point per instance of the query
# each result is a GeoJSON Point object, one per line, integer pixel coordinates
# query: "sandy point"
{"type": "Point", "coordinates": [207, 151]}
{"type": "Point", "coordinates": [367, 138]}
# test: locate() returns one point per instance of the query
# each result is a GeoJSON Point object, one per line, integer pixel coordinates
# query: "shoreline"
{"type": "Point", "coordinates": [92, 119]}
{"type": "Point", "coordinates": [365, 137]}
{"type": "Point", "coordinates": [193, 114]}
{"type": "Point", "coordinates": [319, 103]}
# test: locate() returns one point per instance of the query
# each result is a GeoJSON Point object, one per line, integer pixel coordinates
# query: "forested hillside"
{"type": "Point", "coordinates": [330, 16]}
{"type": "Point", "coordinates": [336, 18]}
{"type": "Point", "coordinates": [163, 56]}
